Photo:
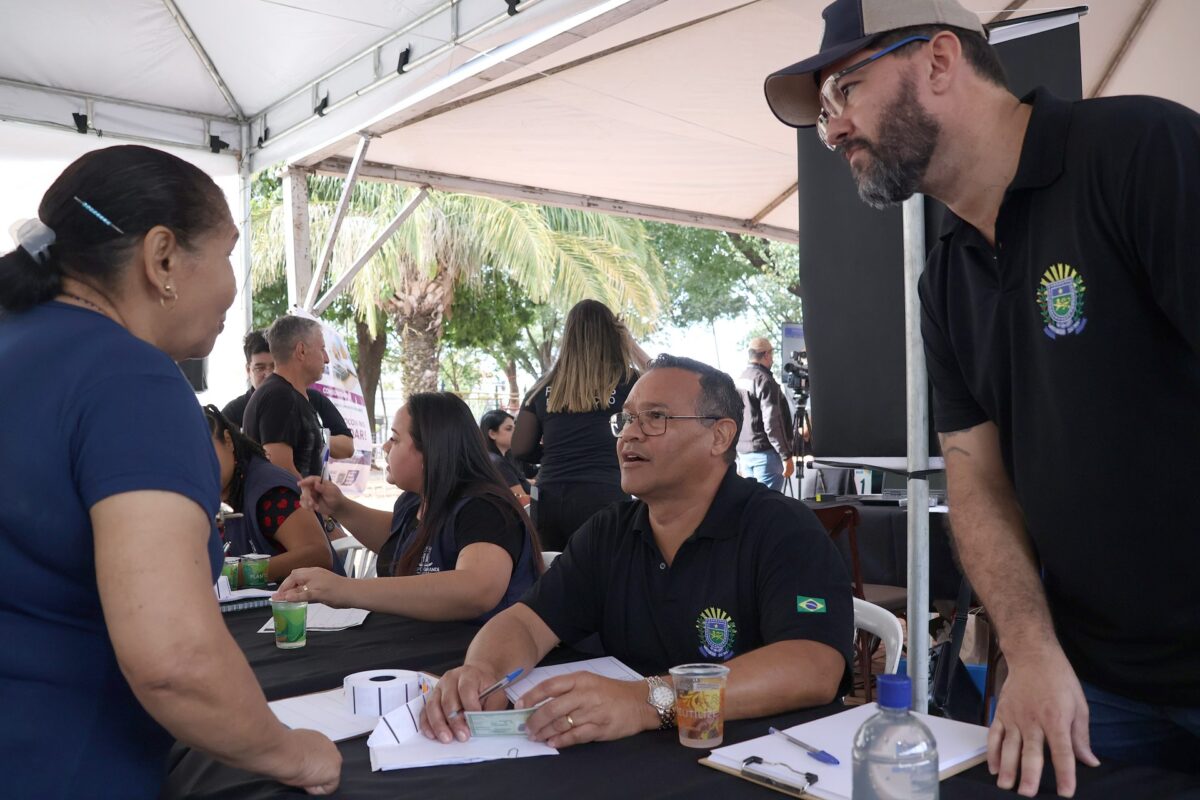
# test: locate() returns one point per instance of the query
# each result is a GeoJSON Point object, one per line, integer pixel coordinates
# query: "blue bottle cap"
{"type": "Point", "coordinates": [895, 691]}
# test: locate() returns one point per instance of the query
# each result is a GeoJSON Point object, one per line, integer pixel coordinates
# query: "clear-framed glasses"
{"type": "Point", "coordinates": [652, 422]}
{"type": "Point", "coordinates": [834, 96]}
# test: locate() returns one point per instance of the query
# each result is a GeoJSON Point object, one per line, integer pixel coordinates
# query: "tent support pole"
{"type": "Point", "coordinates": [295, 234]}
{"type": "Point", "coordinates": [343, 205]}
{"type": "Point", "coordinates": [918, 456]}
{"type": "Point", "coordinates": [244, 185]}
{"type": "Point", "coordinates": [370, 252]}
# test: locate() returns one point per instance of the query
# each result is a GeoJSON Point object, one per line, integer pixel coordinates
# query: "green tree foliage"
{"type": "Point", "coordinates": [715, 275]}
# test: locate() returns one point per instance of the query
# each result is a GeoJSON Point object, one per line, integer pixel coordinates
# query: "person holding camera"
{"type": "Point", "coordinates": [765, 445]}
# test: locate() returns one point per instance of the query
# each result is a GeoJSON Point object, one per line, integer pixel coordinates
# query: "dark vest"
{"type": "Point", "coordinates": [441, 554]}
{"type": "Point", "coordinates": [244, 535]}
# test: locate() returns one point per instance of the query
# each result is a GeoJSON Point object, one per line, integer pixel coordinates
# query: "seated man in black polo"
{"type": "Point", "coordinates": [704, 566]}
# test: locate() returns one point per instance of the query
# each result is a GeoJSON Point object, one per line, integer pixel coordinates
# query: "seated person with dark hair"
{"type": "Point", "coordinates": [260, 365]}
{"type": "Point", "coordinates": [703, 566]}
{"type": "Point", "coordinates": [456, 546]}
{"type": "Point", "coordinates": [497, 428]}
{"type": "Point", "coordinates": [268, 499]}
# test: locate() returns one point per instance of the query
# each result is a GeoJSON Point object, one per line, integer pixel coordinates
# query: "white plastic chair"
{"type": "Point", "coordinates": [548, 557]}
{"type": "Point", "coordinates": [357, 560]}
{"type": "Point", "coordinates": [883, 624]}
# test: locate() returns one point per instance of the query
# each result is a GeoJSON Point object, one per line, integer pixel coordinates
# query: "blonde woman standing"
{"type": "Point", "coordinates": [564, 421]}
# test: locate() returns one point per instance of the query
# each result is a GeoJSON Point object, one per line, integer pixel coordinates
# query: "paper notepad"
{"type": "Point", "coordinates": [607, 666]}
{"type": "Point", "coordinates": [323, 618]}
{"type": "Point", "coordinates": [959, 746]}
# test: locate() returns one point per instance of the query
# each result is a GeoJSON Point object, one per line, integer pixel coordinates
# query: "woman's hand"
{"type": "Point", "coordinates": [316, 585]}
{"type": "Point", "coordinates": [321, 496]}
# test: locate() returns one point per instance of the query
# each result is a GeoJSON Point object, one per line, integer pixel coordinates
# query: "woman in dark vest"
{"type": "Point", "coordinates": [268, 499]}
{"type": "Point", "coordinates": [458, 545]}
{"type": "Point", "coordinates": [497, 429]}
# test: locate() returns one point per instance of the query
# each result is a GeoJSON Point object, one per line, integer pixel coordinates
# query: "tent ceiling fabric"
{"type": "Point", "coordinates": [658, 107]}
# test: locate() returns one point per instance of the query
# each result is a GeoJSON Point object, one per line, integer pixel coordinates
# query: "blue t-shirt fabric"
{"type": "Point", "coordinates": [91, 412]}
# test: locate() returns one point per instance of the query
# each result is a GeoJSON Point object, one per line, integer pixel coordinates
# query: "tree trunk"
{"type": "Point", "coordinates": [370, 363]}
{"type": "Point", "coordinates": [514, 395]}
{"type": "Point", "coordinates": [417, 315]}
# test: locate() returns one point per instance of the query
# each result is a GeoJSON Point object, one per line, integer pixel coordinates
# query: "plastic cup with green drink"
{"type": "Point", "coordinates": [291, 623]}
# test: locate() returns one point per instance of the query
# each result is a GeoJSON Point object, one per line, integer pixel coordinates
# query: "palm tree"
{"type": "Point", "coordinates": [557, 256]}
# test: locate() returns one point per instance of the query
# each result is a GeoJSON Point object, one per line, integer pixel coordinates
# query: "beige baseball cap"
{"type": "Point", "coordinates": [850, 26]}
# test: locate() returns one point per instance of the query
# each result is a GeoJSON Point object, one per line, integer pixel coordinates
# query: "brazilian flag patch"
{"type": "Point", "coordinates": [810, 605]}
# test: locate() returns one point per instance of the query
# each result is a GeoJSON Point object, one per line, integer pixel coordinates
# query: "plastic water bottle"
{"type": "Point", "coordinates": [895, 756]}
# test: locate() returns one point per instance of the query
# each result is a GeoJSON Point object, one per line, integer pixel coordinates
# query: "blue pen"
{"type": "Point", "coordinates": [817, 753]}
{"type": "Point", "coordinates": [500, 684]}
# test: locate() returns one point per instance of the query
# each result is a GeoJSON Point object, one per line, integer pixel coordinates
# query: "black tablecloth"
{"type": "Point", "coordinates": [652, 764]}
{"type": "Point", "coordinates": [383, 641]}
{"type": "Point", "coordinates": [883, 548]}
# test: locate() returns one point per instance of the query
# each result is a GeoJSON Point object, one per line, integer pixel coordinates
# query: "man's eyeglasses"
{"type": "Point", "coordinates": [652, 423]}
{"type": "Point", "coordinates": [834, 97]}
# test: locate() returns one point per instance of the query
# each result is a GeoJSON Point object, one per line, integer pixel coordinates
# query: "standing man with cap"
{"type": "Point", "coordinates": [765, 445]}
{"type": "Point", "coordinates": [1072, 260]}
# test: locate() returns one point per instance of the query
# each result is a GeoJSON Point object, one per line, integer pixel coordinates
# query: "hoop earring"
{"type": "Point", "coordinates": [169, 294]}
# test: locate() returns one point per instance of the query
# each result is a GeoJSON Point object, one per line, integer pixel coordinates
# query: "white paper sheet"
{"type": "Point", "coordinates": [397, 743]}
{"type": "Point", "coordinates": [325, 712]}
{"type": "Point", "coordinates": [607, 666]}
{"type": "Point", "coordinates": [422, 752]}
{"type": "Point", "coordinates": [323, 618]}
{"type": "Point", "coordinates": [956, 742]}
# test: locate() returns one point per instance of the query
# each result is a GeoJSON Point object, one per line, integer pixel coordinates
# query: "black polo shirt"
{"type": "Point", "coordinates": [1078, 336]}
{"type": "Point", "coordinates": [278, 414]}
{"type": "Point", "coordinates": [759, 569]}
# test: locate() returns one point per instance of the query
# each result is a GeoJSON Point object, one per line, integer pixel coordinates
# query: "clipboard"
{"type": "Point", "coordinates": [783, 787]}
{"type": "Point", "coordinates": [790, 790]}
{"type": "Point", "coordinates": [960, 747]}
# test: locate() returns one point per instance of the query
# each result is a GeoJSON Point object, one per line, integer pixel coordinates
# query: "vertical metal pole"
{"type": "Point", "coordinates": [247, 230]}
{"type": "Point", "coordinates": [296, 235]}
{"type": "Point", "coordinates": [918, 455]}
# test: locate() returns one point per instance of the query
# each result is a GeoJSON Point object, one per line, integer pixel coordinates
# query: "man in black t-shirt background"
{"type": "Point", "coordinates": [704, 566]}
{"type": "Point", "coordinates": [1062, 296]}
{"type": "Point", "coordinates": [279, 415]}
{"type": "Point", "coordinates": [260, 364]}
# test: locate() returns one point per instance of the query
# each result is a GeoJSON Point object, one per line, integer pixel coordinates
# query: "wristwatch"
{"type": "Point", "coordinates": [662, 698]}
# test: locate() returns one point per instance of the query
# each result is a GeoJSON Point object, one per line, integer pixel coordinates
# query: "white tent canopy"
{"type": "Point", "coordinates": [646, 107]}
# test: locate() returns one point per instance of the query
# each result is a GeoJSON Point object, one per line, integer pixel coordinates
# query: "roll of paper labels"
{"type": "Point", "coordinates": [378, 691]}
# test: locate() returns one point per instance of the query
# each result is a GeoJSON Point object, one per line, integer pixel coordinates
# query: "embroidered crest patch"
{"type": "Point", "coordinates": [1060, 297]}
{"type": "Point", "coordinates": [717, 632]}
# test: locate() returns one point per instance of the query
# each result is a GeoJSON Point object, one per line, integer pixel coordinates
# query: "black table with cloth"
{"type": "Point", "coordinates": [882, 537]}
{"type": "Point", "coordinates": [651, 764]}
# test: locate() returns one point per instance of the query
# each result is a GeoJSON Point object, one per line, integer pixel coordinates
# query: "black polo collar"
{"type": "Point", "coordinates": [1043, 151]}
{"type": "Point", "coordinates": [723, 520]}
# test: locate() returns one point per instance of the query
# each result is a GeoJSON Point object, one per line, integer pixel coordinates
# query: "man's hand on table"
{"type": "Point", "coordinates": [316, 585]}
{"type": "Point", "coordinates": [457, 691]}
{"type": "Point", "coordinates": [1040, 704]}
{"type": "Point", "coordinates": [585, 707]}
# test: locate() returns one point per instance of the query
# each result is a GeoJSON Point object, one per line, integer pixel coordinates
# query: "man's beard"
{"type": "Point", "coordinates": [896, 164]}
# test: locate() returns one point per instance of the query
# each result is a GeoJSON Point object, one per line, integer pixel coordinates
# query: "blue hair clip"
{"type": "Point", "coordinates": [92, 210]}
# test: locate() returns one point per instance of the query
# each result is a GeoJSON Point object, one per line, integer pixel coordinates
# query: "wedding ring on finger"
{"type": "Point", "coordinates": [570, 722]}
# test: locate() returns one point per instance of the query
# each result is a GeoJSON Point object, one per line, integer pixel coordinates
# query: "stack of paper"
{"type": "Point", "coordinates": [325, 712]}
{"type": "Point", "coordinates": [607, 666]}
{"type": "Point", "coordinates": [397, 743]}
{"type": "Point", "coordinates": [324, 618]}
{"type": "Point", "coordinates": [959, 746]}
